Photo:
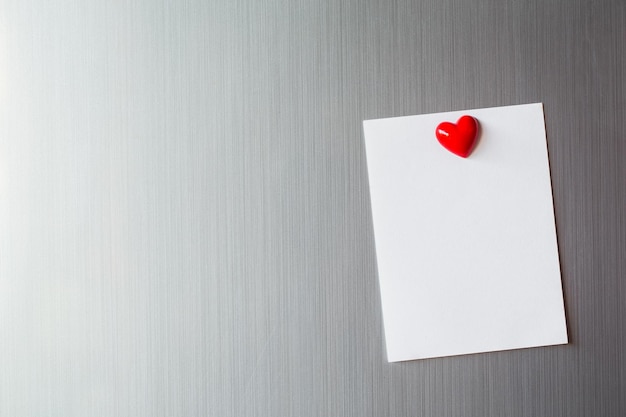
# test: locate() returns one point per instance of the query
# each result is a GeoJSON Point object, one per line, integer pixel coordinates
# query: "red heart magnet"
{"type": "Point", "coordinates": [458, 138]}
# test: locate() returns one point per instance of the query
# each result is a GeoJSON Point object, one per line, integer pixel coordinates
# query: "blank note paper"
{"type": "Point", "coordinates": [466, 247]}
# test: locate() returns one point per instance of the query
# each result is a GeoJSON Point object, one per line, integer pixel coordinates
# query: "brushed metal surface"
{"type": "Point", "coordinates": [185, 226]}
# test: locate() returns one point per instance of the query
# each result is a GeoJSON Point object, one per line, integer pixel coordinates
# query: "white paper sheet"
{"type": "Point", "coordinates": [466, 248]}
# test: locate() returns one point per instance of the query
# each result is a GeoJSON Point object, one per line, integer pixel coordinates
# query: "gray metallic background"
{"type": "Point", "coordinates": [185, 226]}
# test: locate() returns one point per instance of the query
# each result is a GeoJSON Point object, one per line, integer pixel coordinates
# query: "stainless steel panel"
{"type": "Point", "coordinates": [184, 212]}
